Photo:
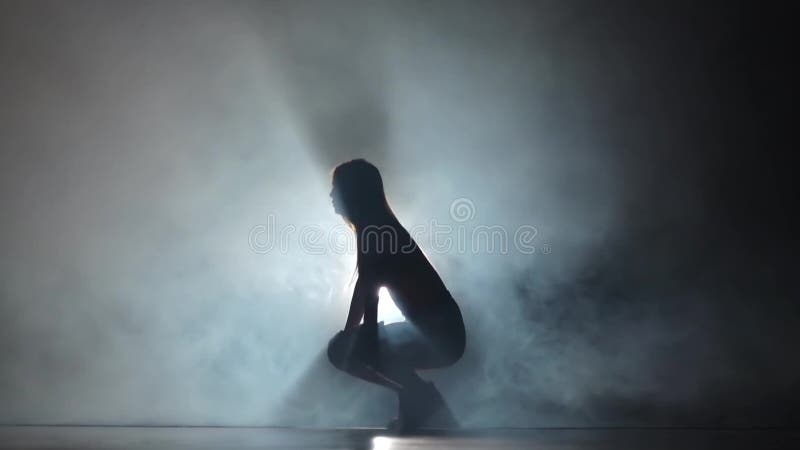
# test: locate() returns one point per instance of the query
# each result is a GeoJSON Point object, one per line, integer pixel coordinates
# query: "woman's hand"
{"type": "Point", "coordinates": [347, 331]}
{"type": "Point", "coordinates": [365, 298]}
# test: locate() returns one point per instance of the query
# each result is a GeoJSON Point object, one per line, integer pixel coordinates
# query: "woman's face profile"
{"type": "Point", "coordinates": [336, 200]}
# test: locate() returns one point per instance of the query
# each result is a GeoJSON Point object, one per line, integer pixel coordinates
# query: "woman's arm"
{"type": "Point", "coordinates": [363, 304]}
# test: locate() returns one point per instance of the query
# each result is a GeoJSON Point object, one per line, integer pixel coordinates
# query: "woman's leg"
{"type": "Point", "coordinates": [405, 348]}
{"type": "Point", "coordinates": [390, 357]}
{"type": "Point", "coordinates": [346, 353]}
{"type": "Point", "coordinates": [429, 343]}
{"type": "Point", "coordinates": [390, 360]}
{"type": "Point", "coordinates": [402, 349]}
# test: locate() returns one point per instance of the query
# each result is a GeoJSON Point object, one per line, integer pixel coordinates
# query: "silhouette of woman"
{"type": "Point", "coordinates": [433, 334]}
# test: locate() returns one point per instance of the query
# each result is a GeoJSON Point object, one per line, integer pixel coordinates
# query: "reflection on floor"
{"type": "Point", "coordinates": [196, 438]}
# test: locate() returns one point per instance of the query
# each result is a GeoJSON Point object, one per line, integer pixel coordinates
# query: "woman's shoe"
{"type": "Point", "coordinates": [416, 407]}
{"type": "Point", "coordinates": [395, 425]}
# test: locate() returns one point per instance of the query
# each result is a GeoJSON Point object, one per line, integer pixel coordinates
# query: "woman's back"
{"type": "Point", "coordinates": [391, 258]}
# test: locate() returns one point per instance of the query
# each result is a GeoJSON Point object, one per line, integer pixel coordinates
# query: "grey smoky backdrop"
{"type": "Point", "coordinates": [143, 143]}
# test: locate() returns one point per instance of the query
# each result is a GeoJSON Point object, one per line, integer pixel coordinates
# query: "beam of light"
{"type": "Point", "coordinates": [387, 310]}
{"type": "Point", "coordinates": [382, 443]}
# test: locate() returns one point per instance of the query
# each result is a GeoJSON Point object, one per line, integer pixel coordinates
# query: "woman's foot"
{"type": "Point", "coordinates": [395, 425]}
{"type": "Point", "coordinates": [416, 406]}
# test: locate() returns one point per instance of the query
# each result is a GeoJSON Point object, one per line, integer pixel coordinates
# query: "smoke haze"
{"type": "Point", "coordinates": [142, 142]}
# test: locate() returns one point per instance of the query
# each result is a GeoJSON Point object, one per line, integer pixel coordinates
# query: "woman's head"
{"type": "Point", "coordinates": [357, 192]}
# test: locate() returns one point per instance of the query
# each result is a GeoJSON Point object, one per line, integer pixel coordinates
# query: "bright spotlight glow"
{"type": "Point", "coordinates": [381, 442]}
{"type": "Point", "coordinates": [387, 310]}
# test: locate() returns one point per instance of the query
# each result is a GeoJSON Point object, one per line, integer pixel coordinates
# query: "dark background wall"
{"type": "Point", "coordinates": [647, 142]}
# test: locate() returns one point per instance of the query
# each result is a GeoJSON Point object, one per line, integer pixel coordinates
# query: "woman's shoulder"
{"type": "Point", "coordinates": [388, 239]}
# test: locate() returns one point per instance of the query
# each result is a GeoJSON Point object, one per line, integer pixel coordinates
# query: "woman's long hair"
{"type": "Point", "coordinates": [360, 189]}
{"type": "Point", "coordinates": [362, 200]}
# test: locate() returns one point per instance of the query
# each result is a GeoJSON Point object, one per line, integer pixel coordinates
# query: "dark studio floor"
{"type": "Point", "coordinates": [197, 438]}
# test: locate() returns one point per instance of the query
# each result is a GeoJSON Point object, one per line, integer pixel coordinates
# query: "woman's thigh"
{"type": "Point", "coordinates": [405, 343]}
{"type": "Point", "coordinates": [417, 346]}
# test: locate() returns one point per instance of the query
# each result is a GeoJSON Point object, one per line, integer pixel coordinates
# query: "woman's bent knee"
{"type": "Point", "coordinates": [336, 352]}
{"type": "Point", "coordinates": [453, 348]}
{"type": "Point", "coordinates": [452, 353]}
